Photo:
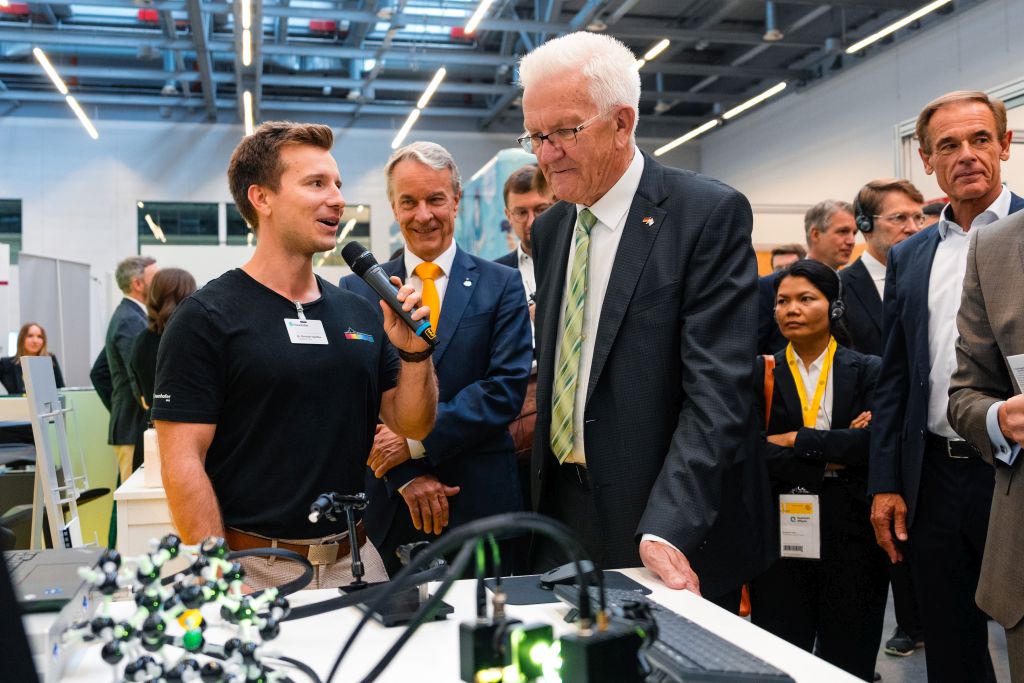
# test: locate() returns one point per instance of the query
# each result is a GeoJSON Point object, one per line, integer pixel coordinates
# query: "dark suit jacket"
{"type": "Point", "coordinates": [900, 421]}
{"type": "Point", "coordinates": [863, 308]}
{"type": "Point", "coordinates": [991, 325]}
{"type": "Point", "coordinates": [482, 360]}
{"type": "Point", "coordinates": [854, 376]}
{"type": "Point", "coordinates": [125, 411]}
{"type": "Point", "coordinates": [769, 336]}
{"type": "Point", "coordinates": [99, 375]}
{"type": "Point", "coordinates": [13, 378]}
{"type": "Point", "coordinates": [511, 259]}
{"type": "Point", "coordinates": [669, 397]}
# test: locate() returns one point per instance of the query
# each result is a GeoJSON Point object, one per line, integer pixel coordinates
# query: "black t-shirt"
{"type": "Point", "coordinates": [293, 420]}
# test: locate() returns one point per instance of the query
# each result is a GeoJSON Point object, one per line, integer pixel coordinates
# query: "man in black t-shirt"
{"type": "Point", "coordinates": [270, 380]}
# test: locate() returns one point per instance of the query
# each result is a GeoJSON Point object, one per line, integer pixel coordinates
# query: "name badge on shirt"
{"type": "Point", "coordinates": [305, 331]}
{"type": "Point", "coordinates": [799, 526]}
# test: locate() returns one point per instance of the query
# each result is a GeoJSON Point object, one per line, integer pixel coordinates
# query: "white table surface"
{"type": "Point", "coordinates": [433, 653]}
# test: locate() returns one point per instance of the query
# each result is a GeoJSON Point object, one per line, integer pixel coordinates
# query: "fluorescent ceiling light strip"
{"type": "Point", "coordinates": [247, 109]}
{"type": "Point", "coordinates": [50, 71]}
{"type": "Point", "coordinates": [640, 64]}
{"type": "Point", "coordinates": [246, 13]}
{"type": "Point", "coordinates": [754, 101]}
{"type": "Point", "coordinates": [478, 16]}
{"type": "Point", "coordinates": [346, 230]}
{"type": "Point", "coordinates": [158, 233]}
{"type": "Point", "coordinates": [700, 130]}
{"type": "Point", "coordinates": [246, 47]}
{"type": "Point", "coordinates": [485, 168]}
{"type": "Point", "coordinates": [406, 127]}
{"type": "Point", "coordinates": [896, 26]}
{"type": "Point", "coordinates": [657, 49]}
{"type": "Point", "coordinates": [75, 107]}
{"type": "Point", "coordinates": [431, 87]}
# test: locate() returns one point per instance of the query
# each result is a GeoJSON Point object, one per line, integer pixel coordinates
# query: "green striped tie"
{"type": "Point", "coordinates": [568, 370]}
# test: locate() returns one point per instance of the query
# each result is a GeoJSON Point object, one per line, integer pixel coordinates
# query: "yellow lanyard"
{"type": "Point", "coordinates": [811, 411]}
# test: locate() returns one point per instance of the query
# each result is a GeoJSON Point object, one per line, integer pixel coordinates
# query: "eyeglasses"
{"type": "Point", "coordinates": [521, 213]}
{"type": "Point", "coordinates": [561, 138]}
{"type": "Point", "coordinates": [903, 218]}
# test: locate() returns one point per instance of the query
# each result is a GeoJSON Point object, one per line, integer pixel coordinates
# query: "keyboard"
{"type": "Point", "coordinates": [16, 558]}
{"type": "Point", "coordinates": [684, 651]}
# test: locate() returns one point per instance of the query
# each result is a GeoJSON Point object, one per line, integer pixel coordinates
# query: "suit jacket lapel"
{"type": "Point", "coordinates": [844, 388]}
{"type": "Point", "coordinates": [456, 295]}
{"type": "Point", "coordinates": [787, 390]}
{"type": "Point", "coordinates": [637, 239]}
{"type": "Point", "coordinates": [919, 272]}
{"type": "Point", "coordinates": [551, 302]}
{"type": "Point", "coordinates": [863, 287]}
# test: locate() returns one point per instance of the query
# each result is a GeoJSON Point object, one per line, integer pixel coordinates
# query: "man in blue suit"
{"type": "Point", "coordinates": [482, 359]}
{"type": "Point", "coordinates": [932, 490]}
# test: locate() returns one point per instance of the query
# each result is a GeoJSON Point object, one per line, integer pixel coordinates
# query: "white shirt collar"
{"type": "Point", "coordinates": [815, 366]}
{"type": "Point", "coordinates": [876, 269]}
{"type": "Point", "coordinates": [138, 303]}
{"type": "Point", "coordinates": [522, 256]}
{"type": "Point", "coordinates": [445, 260]}
{"type": "Point", "coordinates": [613, 206]}
{"type": "Point", "coordinates": [1000, 208]}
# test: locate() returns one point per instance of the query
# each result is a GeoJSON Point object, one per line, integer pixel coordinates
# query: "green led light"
{"type": "Point", "coordinates": [492, 675]}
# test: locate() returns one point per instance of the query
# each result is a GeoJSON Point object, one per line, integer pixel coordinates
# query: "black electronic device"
{"type": "Point", "coordinates": [365, 266]}
{"type": "Point", "coordinates": [566, 574]}
{"type": "Point", "coordinates": [683, 650]}
{"type": "Point", "coordinates": [400, 608]}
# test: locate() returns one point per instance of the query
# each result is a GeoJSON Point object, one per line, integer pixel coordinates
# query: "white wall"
{"type": "Point", "coordinates": [78, 195]}
{"type": "Point", "coordinates": [830, 139]}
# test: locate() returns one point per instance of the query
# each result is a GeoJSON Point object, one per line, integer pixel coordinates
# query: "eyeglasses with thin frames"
{"type": "Point", "coordinates": [561, 138]}
{"type": "Point", "coordinates": [903, 218]}
{"type": "Point", "coordinates": [521, 213]}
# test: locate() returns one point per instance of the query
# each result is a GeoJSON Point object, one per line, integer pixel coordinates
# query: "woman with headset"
{"type": "Point", "coordinates": [814, 400]}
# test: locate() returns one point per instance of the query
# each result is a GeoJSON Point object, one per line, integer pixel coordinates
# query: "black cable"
{"type": "Point", "coordinates": [481, 590]}
{"type": "Point", "coordinates": [519, 521]}
{"type": "Point", "coordinates": [301, 666]}
{"type": "Point", "coordinates": [364, 595]}
{"type": "Point", "coordinates": [457, 568]}
{"type": "Point", "coordinates": [284, 589]}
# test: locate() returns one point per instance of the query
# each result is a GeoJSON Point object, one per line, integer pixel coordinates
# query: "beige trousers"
{"type": "Point", "coordinates": [262, 572]}
{"type": "Point", "coordinates": [125, 454]}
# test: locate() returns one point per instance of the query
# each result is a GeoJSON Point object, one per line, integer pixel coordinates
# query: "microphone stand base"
{"type": "Point", "coordinates": [399, 608]}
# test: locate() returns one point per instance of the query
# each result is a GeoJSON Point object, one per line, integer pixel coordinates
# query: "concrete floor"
{"type": "Point", "coordinates": [911, 669]}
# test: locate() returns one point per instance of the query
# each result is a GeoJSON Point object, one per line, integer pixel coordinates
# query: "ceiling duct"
{"type": "Point", "coordinates": [771, 27]}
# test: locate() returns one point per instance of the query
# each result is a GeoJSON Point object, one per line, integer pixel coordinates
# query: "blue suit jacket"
{"type": "Point", "coordinates": [482, 359]}
{"type": "Point", "coordinates": [900, 421]}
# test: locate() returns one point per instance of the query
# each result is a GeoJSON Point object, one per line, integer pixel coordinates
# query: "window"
{"type": "Point", "coordinates": [355, 225]}
{"type": "Point", "coordinates": [177, 223]}
{"type": "Point", "coordinates": [238, 230]}
{"type": "Point", "coordinates": [10, 225]}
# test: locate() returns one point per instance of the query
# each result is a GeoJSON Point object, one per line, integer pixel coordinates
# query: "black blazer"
{"type": "Point", "coordinates": [12, 375]}
{"type": "Point", "coordinates": [669, 394]}
{"type": "Point", "coordinates": [901, 417]}
{"type": "Point", "coordinates": [769, 336]}
{"type": "Point", "coordinates": [99, 375]}
{"type": "Point", "coordinates": [483, 362]}
{"type": "Point", "coordinates": [511, 259]}
{"type": "Point", "coordinates": [863, 308]}
{"type": "Point", "coordinates": [854, 376]}
{"type": "Point", "coordinates": [126, 412]}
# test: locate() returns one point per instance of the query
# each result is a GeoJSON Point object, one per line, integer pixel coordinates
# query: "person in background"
{"type": "Point", "coordinates": [816, 441]}
{"type": "Point", "coordinates": [523, 203]}
{"type": "Point", "coordinates": [133, 276]}
{"type": "Point", "coordinates": [168, 289]}
{"type": "Point", "coordinates": [31, 342]}
{"type": "Point", "coordinates": [888, 211]}
{"type": "Point", "coordinates": [932, 212]}
{"type": "Point", "coordinates": [931, 489]}
{"type": "Point", "coordinates": [831, 233]}
{"type": "Point", "coordinates": [786, 255]}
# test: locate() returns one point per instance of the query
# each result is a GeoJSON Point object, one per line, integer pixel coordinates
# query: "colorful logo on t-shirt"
{"type": "Point", "coordinates": [360, 336]}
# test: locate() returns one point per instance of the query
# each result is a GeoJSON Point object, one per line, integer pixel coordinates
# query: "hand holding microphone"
{"type": "Point", "coordinates": [407, 326]}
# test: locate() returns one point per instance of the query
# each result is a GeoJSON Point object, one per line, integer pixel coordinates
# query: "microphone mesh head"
{"type": "Point", "coordinates": [357, 257]}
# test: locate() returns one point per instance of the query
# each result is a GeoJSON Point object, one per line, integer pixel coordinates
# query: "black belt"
{"type": "Point", "coordinates": [952, 448]}
{"type": "Point", "coordinates": [574, 473]}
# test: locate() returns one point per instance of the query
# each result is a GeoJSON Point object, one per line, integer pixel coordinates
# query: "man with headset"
{"type": "Point", "coordinates": [887, 211]}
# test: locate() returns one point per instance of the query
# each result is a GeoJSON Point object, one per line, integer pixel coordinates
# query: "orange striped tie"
{"type": "Point", "coordinates": [428, 272]}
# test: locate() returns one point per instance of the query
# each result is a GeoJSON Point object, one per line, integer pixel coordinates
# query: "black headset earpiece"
{"type": "Point", "coordinates": [865, 223]}
{"type": "Point", "coordinates": [838, 309]}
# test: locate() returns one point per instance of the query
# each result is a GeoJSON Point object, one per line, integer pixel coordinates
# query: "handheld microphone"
{"type": "Point", "coordinates": [365, 266]}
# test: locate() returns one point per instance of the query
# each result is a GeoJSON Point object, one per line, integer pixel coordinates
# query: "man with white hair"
{"type": "Point", "coordinates": [646, 325]}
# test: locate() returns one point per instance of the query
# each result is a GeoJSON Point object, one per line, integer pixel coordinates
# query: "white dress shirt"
{"type": "Point", "coordinates": [876, 269]}
{"type": "Point", "coordinates": [139, 304]}
{"type": "Point", "coordinates": [525, 263]}
{"type": "Point", "coordinates": [445, 261]}
{"type": "Point", "coordinates": [945, 286]}
{"type": "Point", "coordinates": [810, 374]}
{"type": "Point", "coordinates": [611, 211]}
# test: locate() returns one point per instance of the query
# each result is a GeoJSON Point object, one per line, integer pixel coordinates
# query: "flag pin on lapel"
{"type": "Point", "coordinates": [648, 220]}
{"type": "Point", "coordinates": [467, 283]}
